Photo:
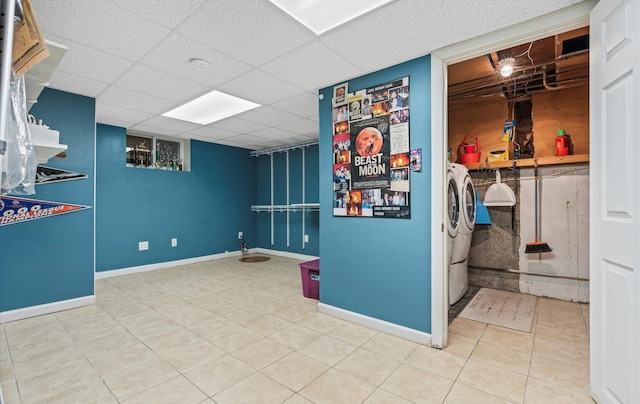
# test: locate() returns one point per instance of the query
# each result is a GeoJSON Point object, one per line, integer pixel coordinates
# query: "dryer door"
{"type": "Point", "coordinates": [453, 205]}
{"type": "Point", "coordinates": [469, 203]}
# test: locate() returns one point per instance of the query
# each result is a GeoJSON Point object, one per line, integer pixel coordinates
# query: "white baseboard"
{"type": "Point", "coordinates": [161, 265]}
{"type": "Point", "coordinates": [168, 264]}
{"type": "Point", "coordinates": [376, 324]}
{"type": "Point", "coordinates": [284, 254]}
{"type": "Point", "coordinates": [33, 311]}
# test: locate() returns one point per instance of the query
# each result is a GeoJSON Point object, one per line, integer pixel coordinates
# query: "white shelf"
{"type": "Point", "coordinates": [45, 142]}
{"type": "Point", "coordinates": [37, 78]}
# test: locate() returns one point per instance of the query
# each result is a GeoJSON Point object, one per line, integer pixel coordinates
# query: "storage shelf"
{"type": "Point", "coordinates": [284, 208]}
{"type": "Point", "coordinates": [37, 78]}
{"type": "Point", "coordinates": [542, 161]}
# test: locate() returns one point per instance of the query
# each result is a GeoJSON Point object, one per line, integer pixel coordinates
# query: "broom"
{"type": "Point", "coordinates": [537, 246]}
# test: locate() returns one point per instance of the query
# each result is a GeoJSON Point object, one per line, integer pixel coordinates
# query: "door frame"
{"type": "Point", "coordinates": [560, 21]}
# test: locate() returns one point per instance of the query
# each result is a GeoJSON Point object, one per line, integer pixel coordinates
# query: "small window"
{"type": "Point", "coordinates": [163, 153]}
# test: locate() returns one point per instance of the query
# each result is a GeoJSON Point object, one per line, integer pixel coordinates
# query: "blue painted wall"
{"type": "Point", "coordinates": [52, 259]}
{"type": "Point", "coordinates": [204, 208]}
{"type": "Point", "coordinates": [381, 267]}
{"type": "Point", "coordinates": [311, 219]}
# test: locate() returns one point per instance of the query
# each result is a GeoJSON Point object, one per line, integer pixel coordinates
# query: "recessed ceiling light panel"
{"type": "Point", "coordinates": [322, 15]}
{"type": "Point", "coordinates": [211, 107]}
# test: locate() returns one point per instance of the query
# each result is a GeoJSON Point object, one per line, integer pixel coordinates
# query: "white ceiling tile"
{"type": "Point", "coordinates": [299, 139]}
{"type": "Point", "coordinates": [313, 66]}
{"type": "Point", "coordinates": [88, 62]}
{"type": "Point", "coordinates": [154, 130]}
{"type": "Point", "coordinates": [182, 49]}
{"type": "Point", "coordinates": [416, 38]}
{"type": "Point", "coordinates": [124, 114]}
{"type": "Point", "coordinates": [227, 142]}
{"type": "Point", "coordinates": [211, 133]}
{"type": "Point", "coordinates": [301, 127]}
{"type": "Point", "coordinates": [304, 105]}
{"type": "Point", "coordinates": [252, 31]}
{"type": "Point", "coordinates": [134, 100]}
{"type": "Point", "coordinates": [260, 87]}
{"type": "Point", "coordinates": [237, 125]}
{"type": "Point", "coordinates": [268, 116]}
{"type": "Point", "coordinates": [75, 84]}
{"type": "Point", "coordinates": [154, 82]}
{"type": "Point", "coordinates": [249, 140]}
{"type": "Point", "coordinates": [113, 122]}
{"type": "Point", "coordinates": [272, 134]}
{"type": "Point", "coordinates": [101, 25]}
{"type": "Point", "coordinates": [165, 12]}
{"type": "Point", "coordinates": [162, 122]}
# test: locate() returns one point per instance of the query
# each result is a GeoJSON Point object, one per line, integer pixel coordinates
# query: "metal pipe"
{"type": "Point", "coordinates": [548, 87]}
{"type": "Point", "coordinates": [288, 202]}
{"type": "Point", "coordinates": [573, 278]}
{"type": "Point", "coordinates": [272, 241]}
{"type": "Point", "coordinates": [304, 212]}
{"type": "Point", "coordinates": [7, 23]}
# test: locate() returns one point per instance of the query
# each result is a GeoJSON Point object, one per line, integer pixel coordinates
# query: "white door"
{"type": "Point", "coordinates": [615, 201]}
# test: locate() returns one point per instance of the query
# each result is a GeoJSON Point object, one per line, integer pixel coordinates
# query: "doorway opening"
{"type": "Point", "coordinates": [515, 116]}
{"type": "Point", "coordinates": [496, 43]}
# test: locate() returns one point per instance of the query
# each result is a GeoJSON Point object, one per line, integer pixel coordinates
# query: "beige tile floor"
{"type": "Point", "coordinates": [231, 332]}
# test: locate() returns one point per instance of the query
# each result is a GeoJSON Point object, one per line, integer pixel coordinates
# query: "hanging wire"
{"type": "Point", "coordinates": [527, 52]}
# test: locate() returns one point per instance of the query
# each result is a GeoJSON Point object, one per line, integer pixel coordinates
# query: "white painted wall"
{"type": "Point", "coordinates": [564, 212]}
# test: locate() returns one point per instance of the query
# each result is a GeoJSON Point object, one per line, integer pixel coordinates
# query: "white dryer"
{"type": "Point", "coordinates": [458, 273]}
{"type": "Point", "coordinates": [453, 212]}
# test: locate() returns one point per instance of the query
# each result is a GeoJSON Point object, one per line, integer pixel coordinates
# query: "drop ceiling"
{"type": "Point", "coordinates": [133, 57]}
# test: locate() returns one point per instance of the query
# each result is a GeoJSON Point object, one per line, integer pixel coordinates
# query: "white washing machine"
{"type": "Point", "coordinates": [453, 212]}
{"type": "Point", "coordinates": [458, 273]}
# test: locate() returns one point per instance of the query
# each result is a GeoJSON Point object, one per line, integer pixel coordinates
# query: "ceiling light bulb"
{"type": "Point", "coordinates": [507, 67]}
{"type": "Point", "coordinates": [506, 71]}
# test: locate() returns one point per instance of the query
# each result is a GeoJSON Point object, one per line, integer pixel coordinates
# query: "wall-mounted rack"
{"type": "Point", "coordinates": [280, 149]}
{"type": "Point", "coordinates": [288, 207]}
{"type": "Point", "coordinates": [312, 207]}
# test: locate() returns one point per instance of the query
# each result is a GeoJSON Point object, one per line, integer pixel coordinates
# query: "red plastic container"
{"type": "Point", "coordinates": [469, 153]}
{"type": "Point", "coordinates": [562, 144]}
{"type": "Point", "coordinates": [310, 273]}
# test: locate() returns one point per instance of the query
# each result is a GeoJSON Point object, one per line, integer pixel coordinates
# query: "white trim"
{"type": "Point", "coordinates": [560, 21]}
{"type": "Point", "coordinates": [169, 264]}
{"type": "Point", "coordinates": [285, 254]}
{"type": "Point", "coordinates": [48, 308]}
{"type": "Point", "coordinates": [161, 265]}
{"type": "Point", "coordinates": [95, 198]}
{"type": "Point", "coordinates": [439, 270]}
{"type": "Point", "coordinates": [376, 324]}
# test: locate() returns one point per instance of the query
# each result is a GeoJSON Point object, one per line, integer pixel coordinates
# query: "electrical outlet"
{"type": "Point", "coordinates": [174, 242]}
{"type": "Point", "coordinates": [306, 238]}
{"type": "Point", "coordinates": [143, 246]}
{"type": "Point", "coordinates": [240, 234]}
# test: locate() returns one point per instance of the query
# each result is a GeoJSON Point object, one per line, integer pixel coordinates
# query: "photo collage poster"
{"type": "Point", "coordinates": [371, 155]}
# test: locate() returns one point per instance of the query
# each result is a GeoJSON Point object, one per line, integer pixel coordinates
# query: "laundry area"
{"type": "Point", "coordinates": [518, 131]}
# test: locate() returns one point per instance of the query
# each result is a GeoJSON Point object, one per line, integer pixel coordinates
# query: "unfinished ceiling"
{"type": "Point", "coordinates": [556, 62]}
